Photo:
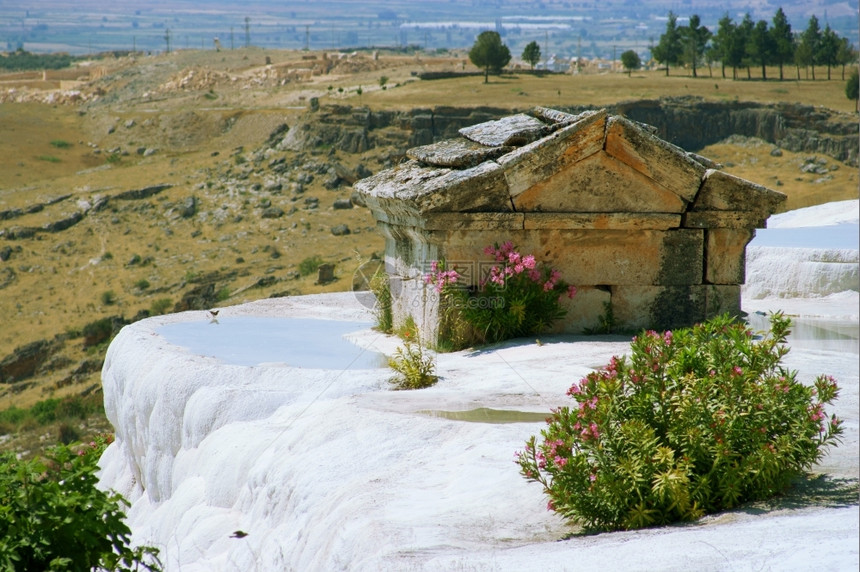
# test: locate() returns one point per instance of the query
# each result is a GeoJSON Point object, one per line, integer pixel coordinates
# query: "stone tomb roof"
{"type": "Point", "coordinates": [550, 169]}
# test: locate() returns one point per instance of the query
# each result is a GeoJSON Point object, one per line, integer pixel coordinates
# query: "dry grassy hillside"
{"type": "Point", "coordinates": [158, 185]}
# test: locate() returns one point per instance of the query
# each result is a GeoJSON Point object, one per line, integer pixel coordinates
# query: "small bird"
{"type": "Point", "coordinates": [213, 316]}
{"type": "Point", "coordinates": [239, 534]}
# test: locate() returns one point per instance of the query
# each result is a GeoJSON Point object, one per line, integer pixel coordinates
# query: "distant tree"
{"type": "Point", "coordinates": [828, 49]}
{"type": "Point", "coordinates": [852, 87]}
{"type": "Point", "coordinates": [668, 50]}
{"type": "Point", "coordinates": [846, 54]}
{"type": "Point", "coordinates": [721, 45]}
{"type": "Point", "coordinates": [810, 44]}
{"type": "Point", "coordinates": [489, 53]}
{"type": "Point", "coordinates": [531, 54]}
{"type": "Point", "coordinates": [743, 33]}
{"type": "Point", "coordinates": [693, 37]}
{"type": "Point", "coordinates": [782, 41]}
{"type": "Point", "coordinates": [760, 46]}
{"type": "Point", "coordinates": [630, 60]}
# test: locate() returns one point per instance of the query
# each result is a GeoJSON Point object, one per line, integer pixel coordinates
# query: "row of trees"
{"type": "Point", "coordinates": [750, 44]}
{"type": "Point", "coordinates": [21, 60]}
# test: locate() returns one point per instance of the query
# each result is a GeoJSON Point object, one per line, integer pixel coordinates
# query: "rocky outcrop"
{"type": "Point", "coordinates": [693, 123]}
{"type": "Point", "coordinates": [26, 360]}
{"type": "Point", "coordinates": [689, 122]}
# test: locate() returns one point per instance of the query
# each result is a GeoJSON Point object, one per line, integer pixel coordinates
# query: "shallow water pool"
{"type": "Point", "coordinates": [296, 342]}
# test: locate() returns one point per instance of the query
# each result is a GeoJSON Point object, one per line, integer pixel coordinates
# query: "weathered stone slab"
{"type": "Point", "coordinates": [669, 307]}
{"type": "Point", "coordinates": [601, 221]}
{"type": "Point", "coordinates": [413, 189]}
{"type": "Point", "coordinates": [555, 117]}
{"type": "Point", "coordinates": [725, 251]}
{"type": "Point", "coordinates": [654, 158]}
{"type": "Point", "coordinates": [723, 192]}
{"type": "Point", "coordinates": [583, 310]}
{"type": "Point", "coordinates": [594, 257]}
{"type": "Point", "coordinates": [455, 153]}
{"type": "Point", "coordinates": [597, 184]}
{"type": "Point", "coordinates": [516, 130]}
{"type": "Point", "coordinates": [473, 221]}
{"type": "Point", "coordinates": [725, 219]}
{"type": "Point", "coordinates": [529, 165]}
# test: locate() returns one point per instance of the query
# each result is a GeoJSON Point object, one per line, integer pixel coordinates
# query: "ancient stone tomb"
{"type": "Point", "coordinates": [637, 224]}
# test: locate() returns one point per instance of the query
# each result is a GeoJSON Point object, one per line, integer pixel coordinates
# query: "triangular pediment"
{"type": "Point", "coordinates": [598, 183]}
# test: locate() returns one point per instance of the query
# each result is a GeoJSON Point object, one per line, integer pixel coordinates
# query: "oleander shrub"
{"type": "Point", "coordinates": [518, 296]}
{"type": "Point", "coordinates": [54, 517]}
{"type": "Point", "coordinates": [693, 422]}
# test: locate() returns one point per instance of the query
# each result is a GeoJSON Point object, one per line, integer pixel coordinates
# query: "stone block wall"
{"type": "Point", "coordinates": [629, 219]}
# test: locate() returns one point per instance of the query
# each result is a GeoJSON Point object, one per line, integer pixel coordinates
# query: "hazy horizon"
{"type": "Point", "coordinates": [587, 29]}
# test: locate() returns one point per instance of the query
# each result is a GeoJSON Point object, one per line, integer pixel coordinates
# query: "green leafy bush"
{"type": "Point", "coordinates": [160, 306]}
{"type": "Point", "coordinates": [694, 422]}
{"type": "Point", "coordinates": [98, 331]}
{"type": "Point", "coordinates": [415, 367]}
{"type": "Point", "coordinates": [61, 144]}
{"type": "Point", "coordinates": [54, 517]}
{"type": "Point", "coordinates": [518, 297]}
{"type": "Point", "coordinates": [310, 265]}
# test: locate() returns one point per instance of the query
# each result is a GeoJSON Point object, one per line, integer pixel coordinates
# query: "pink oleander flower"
{"type": "Point", "coordinates": [571, 291]}
{"type": "Point", "coordinates": [529, 261]}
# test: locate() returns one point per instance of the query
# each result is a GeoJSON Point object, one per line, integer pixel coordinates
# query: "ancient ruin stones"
{"type": "Point", "coordinates": [456, 153]}
{"type": "Point", "coordinates": [658, 160]}
{"type": "Point", "coordinates": [540, 160]}
{"type": "Point", "coordinates": [516, 130]}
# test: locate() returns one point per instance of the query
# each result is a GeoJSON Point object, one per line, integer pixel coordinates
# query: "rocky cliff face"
{"type": "Point", "coordinates": [693, 123]}
{"type": "Point", "coordinates": [690, 123]}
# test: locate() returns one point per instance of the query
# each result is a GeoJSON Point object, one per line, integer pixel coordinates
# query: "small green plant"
{"type": "Point", "coordinates": [210, 95]}
{"type": "Point", "coordinates": [61, 144]}
{"type": "Point", "coordinates": [239, 159]}
{"type": "Point", "coordinates": [694, 422]}
{"type": "Point", "coordinates": [606, 322]}
{"type": "Point", "coordinates": [310, 265]}
{"type": "Point", "coordinates": [113, 158]}
{"type": "Point", "coordinates": [382, 309]}
{"type": "Point", "coordinates": [48, 158]}
{"type": "Point", "coordinates": [108, 297]}
{"type": "Point", "coordinates": [414, 366]}
{"type": "Point", "coordinates": [383, 79]}
{"type": "Point", "coordinates": [222, 294]}
{"type": "Point", "coordinates": [518, 297]}
{"type": "Point", "coordinates": [54, 516]}
{"type": "Point", "coordinates": [160, 306]}
{"type": "Point", "coordinates": [142, 284]}
{"type": "Point", "coordinates": [97, 331]}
